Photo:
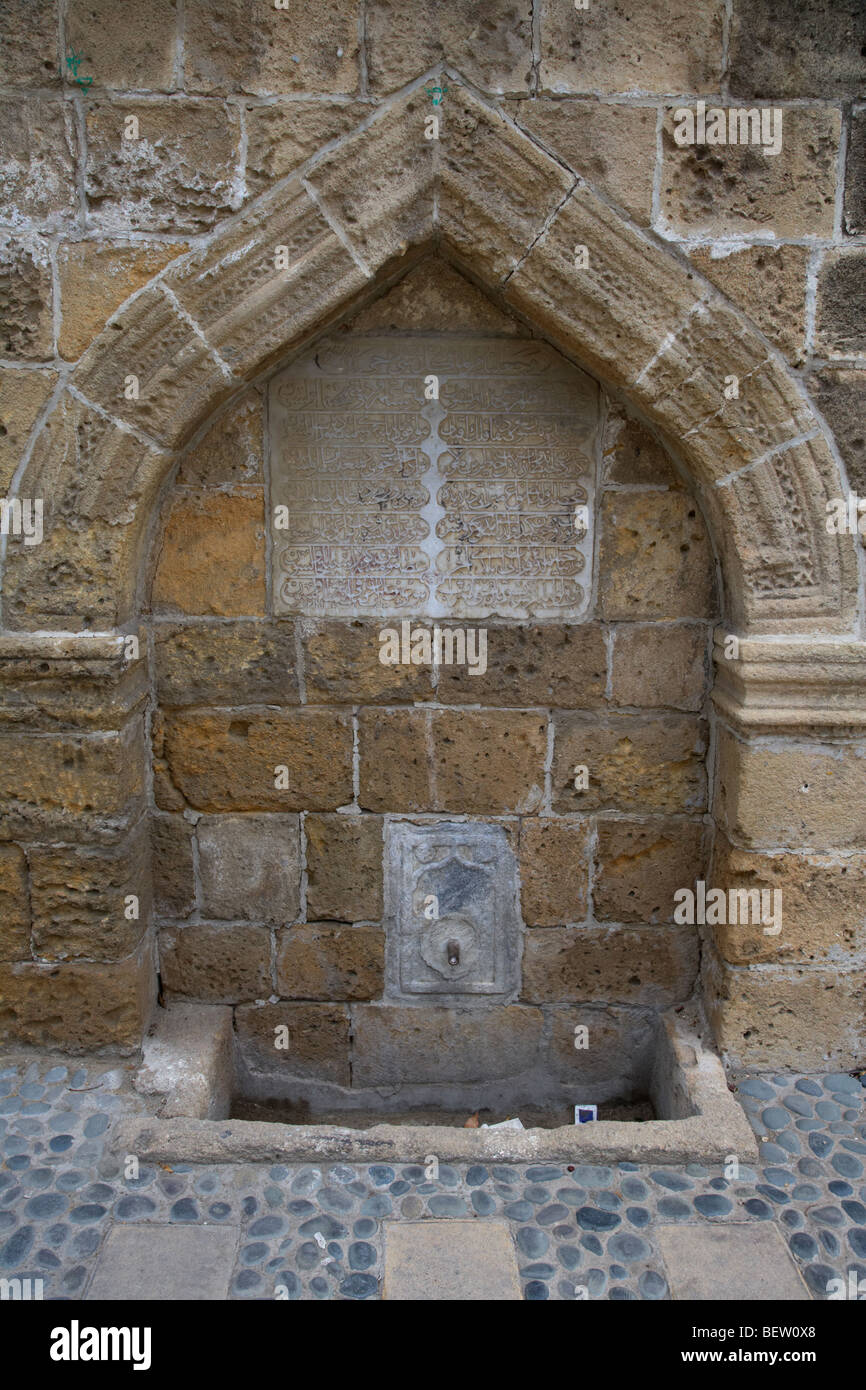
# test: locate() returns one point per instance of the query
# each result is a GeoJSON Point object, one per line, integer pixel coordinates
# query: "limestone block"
{"type": "Point", "coordinates": [554, 871]}
{"type": "Point", "coordinates": [660, 664]}
{"type": "Point", "coordinates": [178, 176]}
{"type": "Point", "coordinates": [250, 867]}
{"type": "Point", "coordinates": [64, 780]}
{"type": "Point", "coordinates": [226, 762]}
{"type": "Point", "coordinates": [212, 556]}
{"type": "Point", "coordinates": [209, 664]}
{"type": "Point", "coordinates": [325, 962]}
{"type": "Point", "coordinates": [37, 159]}
{"type": "Point", "coordinates": [731, 189]}
{"type": "Point", "coordinates": [654, 966]}
{"type": "Point", "coordinates": [395, 1044]}
{"type": "Point", "coordinates": [656, 560]}
{"type": "Point", "coordinates": [643, 764]}
{"type": "Point", "coordinates": [317, 1036]}
{"type": "Point", "coordinates": [344, 867]}
{"type": "Point", "coordinates": [640, 864]}
{"type": "Point", "coordinates": [615, 1063]}
{"type": "Point", "coordinates": [216, 964]}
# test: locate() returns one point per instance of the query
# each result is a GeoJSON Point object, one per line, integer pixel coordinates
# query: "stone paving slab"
{"type": "Point", "coordinates": [730, 1262]}
{"type": "Point", "coordinates": [167, 1263]}
{"type": "Point", "coordinates": [316, 1231]}
{"type": "Point", "coordinates": [466, 1261]}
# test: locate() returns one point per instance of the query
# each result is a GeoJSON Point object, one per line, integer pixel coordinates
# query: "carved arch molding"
{"type": "Point", "coordinates": [511, 216]}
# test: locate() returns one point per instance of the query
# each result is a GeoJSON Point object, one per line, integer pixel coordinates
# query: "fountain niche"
{"type": "Point", "coordinates": [431, 619]}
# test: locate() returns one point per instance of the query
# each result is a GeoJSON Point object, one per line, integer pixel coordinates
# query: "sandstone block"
{"type": "Point", "coordinates": [855, 175]}
{"type": "Point", "coordinates": [394, 1045]}
{"type": "Point", "coordinates": [839, 325]}
{"type": "Point", "coordinates": [22, 396]}
{"type": "Point", "coordinates": [725, 190]}
{"type": "Point", "coordinates": [318, 1040]}
{"type": "Point", "coordinates": [394, 762]}
{"type": "Point", "coordinates": [344, 867]}
{"type": "Point", "coordinates": [554, 871]}
{"type": "Point", "coordinates": [797, 48]}
{"type": "Point", "coordinates": [658, 664]}
{"type": "Point", "coordinates": [280, 138]}
{"type": "Point", "coordinates": [342, 666]}
{"type": "Point", "coordinates": [488, 762]}
{"type": "Point", "coordinates": [178, 176]}
{"type": "Point", "coordinates": [640, 866]}
{"type": "Point", "coordinates": [37, 159]}
{"type": "Point", "coordinates": [840, 395]}
{"type": "Point", "coordinates": [632, 455]}
{"type": "Point", "coordinates": [14, 905]}
{"type": "Point", "coordinates": [768, 283]}
{"type": "Point", "coordinates": [658, 47]}
{"type": "Point", "coordinates": [250, 867]}
{"type": "Point", "coordinates": [89, 902]}
{"type": "Point", "coordinates": [69, 780]}
{"type": "Point", "coordinates": [30, 43]}
{"type": "Point", "coordinates": [549, 665]}
{"type": "Point", "coordinates": [656, 560]}
{"type": "Point", "coordinates": [173, 873]}
{"type": "Point", "coordinates": [212, 559]}
{"type": "Point", "coordinates": [493, 49]}
{"type": "Point", "coordinates": [216, 964]}
{"type": "Point", "coordinates": [95, 278]}
{"type": "Point", "coordinates": [74, 580]}
{"type": "Point", "coordinates": [225, 762]}
{"type": "Point", "coordinates": [648, 764]}
{"type": "Point", "coordinates": [266, 50]}
{"type": "Point", "coordinates": [79, 1006]}
{"type": "Point", "coordinates": [654, 966]}
{"type": "Point", "coordinates": [210, 664]}
{"type": "Point", "coordinates": [138, 53]}
{"type": "Point", "coordinates": [230, 453]}
{"type": "Point", "coordinates": [323, 962]}
{"type": "Point", "coordinates": [26, 323]}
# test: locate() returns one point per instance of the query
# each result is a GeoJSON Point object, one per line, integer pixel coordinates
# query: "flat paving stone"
{"type": "Point", "coordinates": [456, 1260]}
{"type": "Point", "coordinates": [160, 1263]}
{"type": "Point", "coordinates": [736, 1263]}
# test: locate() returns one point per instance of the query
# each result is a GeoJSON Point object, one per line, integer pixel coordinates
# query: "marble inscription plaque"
{"type": "Point", "coordinates": [474, 504]}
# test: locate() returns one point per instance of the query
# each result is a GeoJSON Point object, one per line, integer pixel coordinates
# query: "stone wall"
{"type": "Point", "coordinates": [149, 168]}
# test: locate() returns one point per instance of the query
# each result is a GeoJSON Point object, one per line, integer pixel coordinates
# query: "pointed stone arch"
{"type": "Point", "coordinates": [511, 216]}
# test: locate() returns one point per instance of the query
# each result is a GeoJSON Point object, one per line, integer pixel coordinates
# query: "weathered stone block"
{"type": "Point", "coordinates": [250, 867]}
{"type": "Point", "coordinates": [725, 190]}
{"type": "Point", "coordinates": [660, 664]}
{"type": "Point", "coordinates": [22, 396]}
{"type": "Point", "coordinates": [178, 176]}
{"type": "Point", "coordinates": [855, 175]}
{"type": "Point", "coordinates": [549, 665]}
{"type": "Point", "coordinates": [433, 297]}
{"type": "Point", "coordinates": [230, 453]}
{"type": "Point", "coordinates": [14, 904]}
{"type": "Point", "coordinates": [395, 1045]}
{"type": "Point", "coordinates": [229, 762]}
{"type": "Point", "coordinates": [266, 50]}
{"type": "Point", "coordinates": [95, 278]}
{"type": "Point", "coordinates": [641, 864]}
{"type": "Point", "coordinates": [30, 43]}
{"type": "Point", "coordinates": [173, 871]}
{"type": "Point", "coordinates": [820, 906]}
{"type": "Point", "coordinates": [793, 794]}
{"type": "Point", "coordinates": [658, 47]}
{"type": "Point", "coordinates": [26, 296]}
{"type": "Point", "coordinates": [318, 1040]}
{"type": "Point", "coordinates": [74, 580]}
{"type": "Point", "coordinates": [841, 312]}
{"type": "Point", "coordinates": [495, 190]}
{"type": "Point", "coordinates": [92, 903]}
{"type": "Point", "coordinates": [768, 283]}
{"type": "Point", "coordinates": [554, 871]}
{"type": "Point", "coordinates": [280, 138]}
{"type": "Point", "coordinates": [342, 667]}
{"type": "Point", "coordinates": [632, 455]}
{"type": "Point", "coordinates": [612, 147]}
{"type": "Point", "coordinates": [78, 1006]}
{"type": "Point", "coordinates": [802, 1018]}
{"type": "Point", "coordinates": [138, 53]}
{"type": "Point", "coordinates": [493, 49]}
{"type": "Point", "coordinates": [615, 1064]}
{"type": "Point", "coordinates": [394, 760]}
{"type": "Point", "coordinates": [322, 962]}
{"type": "Point", "coordinates": [488, 762]}
{"type": "Point", "coordinates": [797, 48]}
{"type": "Point", "coordinates": [656, 559]}
{"type": "Point", "coordinates": [654, 966]}
{"type": "Point", "coordinates": [68, 780]}
{"type": "Point", "coordinates": [212, 557]}
{"type": "Point", "coordinates": [221, 965]}
{"type": "Point", "coordinates": [840, 395]}
{"type": "Point", "coordinates": [212, 664]}
{"type": "Point", "coordinates": [344, 867]}
{"type": "Point", "coordinates": [37, 159]}
{"type": "Point", "coordinates": [649, 764]}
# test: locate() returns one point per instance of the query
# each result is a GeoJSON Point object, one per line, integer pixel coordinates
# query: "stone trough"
{"type": "Point", "coordinates": [191, 1071]}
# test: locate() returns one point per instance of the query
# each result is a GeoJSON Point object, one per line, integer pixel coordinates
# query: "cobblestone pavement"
{"type": "Point", "coordinates": [316, 1232]}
